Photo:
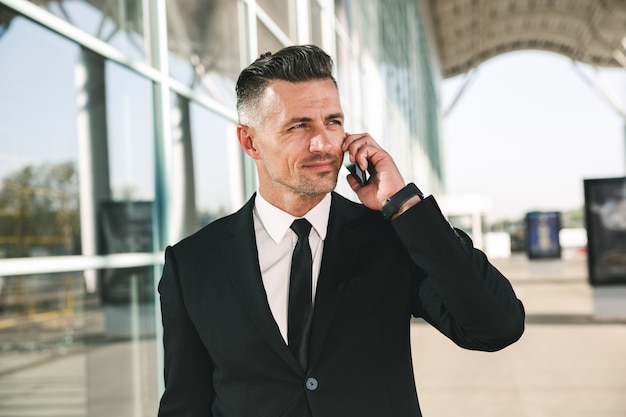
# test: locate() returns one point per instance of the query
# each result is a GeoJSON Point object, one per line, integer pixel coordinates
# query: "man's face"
{"type": "Point", "coordinates": [297, 146]}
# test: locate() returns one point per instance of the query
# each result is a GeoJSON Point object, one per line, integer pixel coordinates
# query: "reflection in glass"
{"type": "Point", "coordinates": [283, 13]}
{"type": "Point", "coordinates": [95, 354]}
{"type": "Point", "coordinates": [316, 23]}
{"type": "Point", "coordinates": [40, 312]}
{"type": "Point", "coordinates": [216, 160]}
{"type": "Point", "coordinates": [126, 226]}
{"type": "Point", "coordinates": [42, 331]}
{"type": "Point", "coordinates": [38, 152]}
{"type": "Point", "coordinates": [115, 142]}
{"type": "Point", "coordinates": [119, 23]}
{"type": "Point", "coordinates": [40, 211]}
{"type": "Point", "coordinates": [130, 135]}
{"type": "Point", "coordinates": [204, 46]}
{"type": "Point", "coordinates": [206, 164]}
{"type": "Point", "coordinates": [267, 41]}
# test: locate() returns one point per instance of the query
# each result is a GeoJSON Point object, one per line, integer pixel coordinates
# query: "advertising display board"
{"type": "Point", "coordinates": [605, 216]}
{"type": "Point", "coordinates": [542, 234]}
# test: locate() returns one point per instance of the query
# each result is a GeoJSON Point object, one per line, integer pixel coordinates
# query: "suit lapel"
{"type": "Point", "coordinates": [341, 247]}
{"type": "Point", "coordinates": [240, 251]}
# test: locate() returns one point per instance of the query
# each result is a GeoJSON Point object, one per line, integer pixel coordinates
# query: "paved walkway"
{"type": "Point", "coordinates": [566, 365]}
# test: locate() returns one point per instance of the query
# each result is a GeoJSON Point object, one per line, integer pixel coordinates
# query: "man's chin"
{"type": "Point", "coordinates": [323, 185]}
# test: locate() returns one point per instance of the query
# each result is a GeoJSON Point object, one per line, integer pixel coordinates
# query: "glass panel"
{"type": "Point", "coordinates": [120, 349]}
{"type": "Point", "coordinates": [67, 352]}
{"type": "Point", "coordinates": [38, 313]}
{"type": "Point", "coordinates": [100, 106]}
{"type": "Point", "coordinates": [130, 135]}
{"type": "Point", "coordinates": [206, 165]}
{"type": "Point", "coordinates": [42, 330]}
{"type": "Point", "coordinates": [204, 46]}
{"type": "Point", "coordinates": [120, 23]}
{"type": "Point", "coordinates": [316, 23]}
{"type": "Point", "coordinates": [38, 154]}
{"type": "Point", "coordinates": [117, 157]}
{"type": "Point", "coordinates": [267, 41]}
{"type": "Point", "coordinates": [282, 12]}
{"type": "Point", "coordinates": [215, 136]}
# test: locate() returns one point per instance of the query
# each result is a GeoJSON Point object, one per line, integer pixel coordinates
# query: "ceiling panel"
{"type": "Point", "coordinates": [472, 31]}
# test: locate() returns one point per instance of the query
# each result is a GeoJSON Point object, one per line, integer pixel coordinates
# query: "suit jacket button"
{"type": "Point", "coordinates": [311, 384]}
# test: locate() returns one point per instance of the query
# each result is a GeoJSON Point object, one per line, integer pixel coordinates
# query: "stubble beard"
{"type": "Point", "coordinates": [322, 183]}
{"type": "Point", "coordinates": [311, 188]}
{"type": "Point", "coordinates": [315, 185]}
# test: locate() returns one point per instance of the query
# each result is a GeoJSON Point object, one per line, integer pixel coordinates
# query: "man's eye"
{"type": "Point", "coordinates": [298, 126]}
{"type": "Point", "coordinates": [335, 122]}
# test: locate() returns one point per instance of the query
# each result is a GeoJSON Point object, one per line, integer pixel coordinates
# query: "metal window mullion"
{"type": "Point", "coordinates": [72, 263]}
{"type": "Point", "coordinates": [163, 147]}
{"type": "Point", "coordinates": [159, 55]}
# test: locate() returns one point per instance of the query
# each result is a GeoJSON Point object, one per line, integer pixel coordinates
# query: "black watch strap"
{"type": "Point", "coordinates": [393, 203]}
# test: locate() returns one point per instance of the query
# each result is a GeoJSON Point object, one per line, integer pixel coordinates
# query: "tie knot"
{"type": "Point", "coordinates": [302, 227]}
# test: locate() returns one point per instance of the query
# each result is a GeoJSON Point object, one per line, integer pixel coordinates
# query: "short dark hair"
{"type": "Point", "coordinates": [294, 63]}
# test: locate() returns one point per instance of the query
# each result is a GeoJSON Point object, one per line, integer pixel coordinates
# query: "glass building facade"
{"type": "Point", "coordinates": [117, 138]}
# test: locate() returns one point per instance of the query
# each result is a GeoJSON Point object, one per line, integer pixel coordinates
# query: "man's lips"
{"type": "Point", "coordinates": [320, 165]}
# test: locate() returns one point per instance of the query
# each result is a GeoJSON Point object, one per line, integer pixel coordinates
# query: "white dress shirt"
{"type": "Point", "coordinates": [275, 243]}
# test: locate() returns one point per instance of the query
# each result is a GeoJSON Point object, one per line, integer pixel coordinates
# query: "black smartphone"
{"type": "Point", "coordinates": [358, 173]}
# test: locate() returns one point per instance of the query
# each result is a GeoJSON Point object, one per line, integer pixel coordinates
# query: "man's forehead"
{"type": "Point", "coordinates": [325, 85]}
{"type": "Point", "coordinates": [303, 94]}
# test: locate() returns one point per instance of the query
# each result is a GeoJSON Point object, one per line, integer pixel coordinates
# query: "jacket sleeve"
{"type": "Point", "coordinates": [463, 295]}
{"type": "Point", "coordinates": [187, 364]}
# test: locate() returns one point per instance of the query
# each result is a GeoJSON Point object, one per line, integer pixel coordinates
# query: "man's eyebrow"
{"type": "Point", "coordinates": [299, 120]}
{"type": "Point", "coordinates": [334, 116]}
{"type": "Point", "coordinates": [295, 120]}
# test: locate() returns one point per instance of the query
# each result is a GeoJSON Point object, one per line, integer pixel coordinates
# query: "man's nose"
{"type": "Point", "coordinates": [320, 143]}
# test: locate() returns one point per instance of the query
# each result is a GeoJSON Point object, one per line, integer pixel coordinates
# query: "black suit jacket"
{"type": "Point", "coordinates": [225, 356]}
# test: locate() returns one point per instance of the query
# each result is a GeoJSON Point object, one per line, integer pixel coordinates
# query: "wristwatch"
{"type": "Point", "coordinates": [393, 203]}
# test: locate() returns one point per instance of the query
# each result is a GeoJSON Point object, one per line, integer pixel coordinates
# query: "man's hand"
{"type": "Point", "coordinates": [385, 179]}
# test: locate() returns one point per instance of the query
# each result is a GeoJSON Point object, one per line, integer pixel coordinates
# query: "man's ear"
{"type": "Point", "coordinates": [245, 135]}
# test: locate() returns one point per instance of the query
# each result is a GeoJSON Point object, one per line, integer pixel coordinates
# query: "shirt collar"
{"type": "Point", "coordinates": [276, 222]}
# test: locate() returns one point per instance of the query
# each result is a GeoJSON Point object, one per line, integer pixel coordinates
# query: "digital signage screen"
{"type": "Point", "coordinates": [605, 217]}
{"type": "Point", "coordinates": [542, 234]}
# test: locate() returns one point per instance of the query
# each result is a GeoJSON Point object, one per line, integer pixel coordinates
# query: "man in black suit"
{"type": "Point", "coordinates": [230, 349]}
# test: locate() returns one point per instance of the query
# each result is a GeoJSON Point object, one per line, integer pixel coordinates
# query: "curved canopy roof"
{"type": "Point", "coordinates": [471, 31]}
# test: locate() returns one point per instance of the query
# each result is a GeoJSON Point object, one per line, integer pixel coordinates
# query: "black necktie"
{"type": "Point", "coordinates": [300, 299]}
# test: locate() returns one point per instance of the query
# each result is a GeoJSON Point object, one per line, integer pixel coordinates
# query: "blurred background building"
{"type": "Point", "coordinates": [117, 138]}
